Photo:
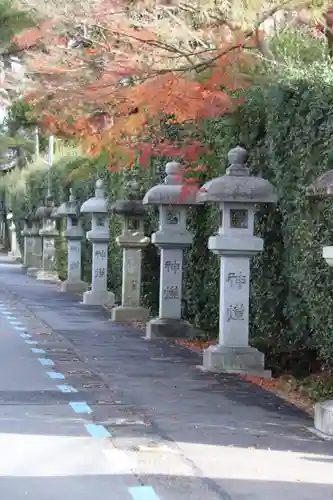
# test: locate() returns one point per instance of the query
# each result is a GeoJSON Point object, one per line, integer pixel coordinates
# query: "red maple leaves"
{"type": "Point", "coordinates": [33, 36]}
{"type": "Point", "coordinates": [111, 99]}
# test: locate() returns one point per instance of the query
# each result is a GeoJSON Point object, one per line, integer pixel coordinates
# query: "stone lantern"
{"type": "Point", "coordinates": [171, 238]}
{"type": "Point", "coordinates": [323, 410]}
{"type": "Point", "coordinates": [237, 194]}
{"type": "Point", "coordinates": [48, 233]}
{"type": "Point", "coordinates": [28, 236]}
{"type": "Point", "coordinates": [99, 236]}
{"type": "Point", "coordinates": [37, 250]}
{"type": "Point", "coordinates": [74, 235]}
{"type": "Point", "coordinates": [132, 241]}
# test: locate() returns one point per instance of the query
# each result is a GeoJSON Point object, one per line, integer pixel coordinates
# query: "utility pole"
{"type": "Point", "coordinates": [36, 143]}
{"type": "Point", "coordinates": [50, 163]}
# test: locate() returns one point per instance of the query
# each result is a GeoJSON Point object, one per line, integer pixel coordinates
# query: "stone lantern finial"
{"type": "Point", "coordinates": [133, 190]}
{"type": "Point", "coordinates": [49, 201]}
{"type": "Point", "coordinates": [173, 172]}
{"type": "Point", "coordinates": [71, 195]}
{"type": "Point", "coordinates": [99, 191]}
{"type": "Point", "coordinates": [237, 158]}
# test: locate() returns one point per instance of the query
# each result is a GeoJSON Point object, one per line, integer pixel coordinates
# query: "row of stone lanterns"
{"type": "Point", "coordinates": [237, 194]}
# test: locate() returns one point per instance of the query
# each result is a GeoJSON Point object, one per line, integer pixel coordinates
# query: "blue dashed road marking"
{"type": "Point", "coordinates": [35, 350]}
{"type": "Point", "coordinates": [97, 431]}
{"type": "Point", "coordinates": [80, 407]}
{"type": "Point", "coordinates": [46, 362]}
{"type": "Point", "coordinates": [143, 493]}
{"type": "Point", "coordinates": [66, 388]}
{"type": "Point", "coordinates": [56, 375]}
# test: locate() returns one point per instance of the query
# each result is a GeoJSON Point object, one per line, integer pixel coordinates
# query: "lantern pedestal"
{"type": "Point", "coordinates": [28, 244]}
{"type": "Point", "coordinates": [169, 323]}
{"type": "Point", "coordinates": [29, 233]}
{"type": "Point", "coordinates": [74, 284]}
{"type": "Point", "coordinates": [132, 241]}
{"type": "Point", "coordinates": [99, 294]}
{"type": "Point", "coordinates": [74, 235]}
{"type": "Point", "coordinates": [36, 257]}
{"type": "Point", "coordinates": [28, 247]}
{"type": "Point", "coordinates": [233, 353]}
{"type": "Point", "coordinates": [14, 246]}
{"type": "Point", "coordinates": [48, 273]}
{"type": "Point", "coordinates": [48, 233]}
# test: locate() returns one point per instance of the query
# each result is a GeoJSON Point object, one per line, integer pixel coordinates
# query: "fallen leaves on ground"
{"type": "Point", "coordinates": [195, 345]}
{"type": "Point", "coordinates": [285, 386]}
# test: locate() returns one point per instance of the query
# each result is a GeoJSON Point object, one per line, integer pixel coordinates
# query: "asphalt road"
{"type": "Point", "coordinates": [50, 449]}
{"type": "Point", "coordinates": [89, 409]}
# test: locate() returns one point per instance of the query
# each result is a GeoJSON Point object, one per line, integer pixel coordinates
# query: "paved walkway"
{"type": "Point", "coordinates": [90, 409]}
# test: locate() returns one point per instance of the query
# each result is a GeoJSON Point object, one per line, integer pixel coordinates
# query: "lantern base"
{"type": "Point", "coordinates": [122, 314]}
{"type": "Point", "coordinates": [74, 286]}
{"type": "Point", "coordinates": [14, 255]}
{"type": "Point", "coordinates": [323, 417]}
{"type": "Point", "coordinates": [43, 275]}
{"type": "Point", "coordinates": [242, 360]}
{"type": "Point", "coordinates": [91, 298]}
{"type": "Point", "coordinates": [170, 328]}
{"type": "Point", "coordinates": [32, 271]}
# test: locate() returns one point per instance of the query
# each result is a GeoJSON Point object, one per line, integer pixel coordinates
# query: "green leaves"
{"type": "Point", "coordinates": [12, 21]}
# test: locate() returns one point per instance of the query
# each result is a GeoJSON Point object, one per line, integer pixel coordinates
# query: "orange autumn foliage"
{"type": "Point", "coordinates": [88, 98]}
{"type": "Point", "coordinates": [32, 36]}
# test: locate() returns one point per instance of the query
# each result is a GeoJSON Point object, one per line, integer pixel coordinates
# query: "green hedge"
{"type": "Point", "coordinates": [287, 127]}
